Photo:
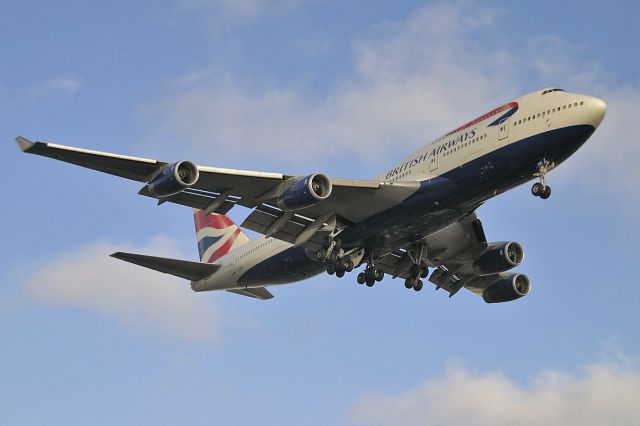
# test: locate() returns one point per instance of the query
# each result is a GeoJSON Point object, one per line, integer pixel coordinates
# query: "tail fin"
{"type": "Point", "coordinates": [217, 235]}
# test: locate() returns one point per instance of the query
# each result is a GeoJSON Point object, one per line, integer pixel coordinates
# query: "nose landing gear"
{"type": "Point", "coordinates": [541, 189]}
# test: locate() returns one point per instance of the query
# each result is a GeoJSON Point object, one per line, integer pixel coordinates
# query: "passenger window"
{"type": "Point", "coordinates": [543, 113]}
{"type": "Point", "coordinates": [553, 110]}
{"type": "Point", "coordinates": [548, 111]}
{"type": "Point", "coordinates": [575, 104]}
{"type": "Point", "coordinates": [564, 107]}
{"type": "Point", "coordinates": [581, 102]}
{"type": "Point", "coordinates": [569, 105]}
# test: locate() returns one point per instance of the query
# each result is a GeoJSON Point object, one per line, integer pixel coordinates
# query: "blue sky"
{"type": "Point", "coordinates": [303, 86]}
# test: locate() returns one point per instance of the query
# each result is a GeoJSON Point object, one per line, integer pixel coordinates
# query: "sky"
{"type": "Point", "coordinates": [303, 86]}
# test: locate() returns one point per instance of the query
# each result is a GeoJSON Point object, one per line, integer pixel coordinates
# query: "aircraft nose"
{"type": "Point", "coordinates": [597, 109]}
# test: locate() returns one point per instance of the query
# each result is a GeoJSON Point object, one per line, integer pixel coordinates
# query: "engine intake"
{"type": "Point", "coordinates": [305, 192]}
{"type": "Point", "coordinates": [174, 179]}
{"type": "Point", "coordinates": [506, 288]}
{"type": "Point", "coordinates": [499, 257]}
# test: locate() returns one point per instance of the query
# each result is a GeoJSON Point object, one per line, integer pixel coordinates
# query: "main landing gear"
{"type": "Point", "coordinates": [541, 189]}
{"type": "Point", "coordinates": [333, 254]}
{"type": "Point", "coordinates": [413, 281]}
{"type": "Point", "coordinates": [370, 276]}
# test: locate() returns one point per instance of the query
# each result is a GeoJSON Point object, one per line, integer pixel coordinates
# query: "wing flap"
{"type": "Point", "coordinates": [193, 271]}
{"type": "Point", "coordinates": [193, 198]}
{"type": "Point", "coordinates": [256, 292]}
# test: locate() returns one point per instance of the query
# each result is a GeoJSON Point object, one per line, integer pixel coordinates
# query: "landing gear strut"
{"type": "Point", "coordinates": [541, 189]}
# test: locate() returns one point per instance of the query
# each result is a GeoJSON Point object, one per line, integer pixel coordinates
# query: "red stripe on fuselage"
{"type": "Point", "coordinates": [484, 117]}
{"type": "Point", "coordinates": [225, 247]}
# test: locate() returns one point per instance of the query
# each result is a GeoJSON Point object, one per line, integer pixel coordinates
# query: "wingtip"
{"type": "Point", "coordinates": [24, 143]}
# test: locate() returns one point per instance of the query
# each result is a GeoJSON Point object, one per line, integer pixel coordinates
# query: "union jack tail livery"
{"type": "Point", "coordinates": [216, 235]}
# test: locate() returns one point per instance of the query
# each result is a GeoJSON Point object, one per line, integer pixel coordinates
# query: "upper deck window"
{"type": "Point", "coordinates": [552, 90]}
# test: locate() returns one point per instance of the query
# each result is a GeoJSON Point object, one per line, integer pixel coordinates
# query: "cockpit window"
{"type": "Point", "coordinates": [552, 90]}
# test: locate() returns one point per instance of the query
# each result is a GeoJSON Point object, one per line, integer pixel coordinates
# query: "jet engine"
{"type": "Point", "coordinates": [305, 192]}
{"type": "Point", "coordinates": [507, 287]}
{"type": "Point", "coordinates": [499, 257]}
{"type": "Point", "coordinates": [174, 179]}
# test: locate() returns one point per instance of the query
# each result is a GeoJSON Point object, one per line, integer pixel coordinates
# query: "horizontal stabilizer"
{"type": "Point", "coordinates": [193, 271]}
{"type": "Point", "coordinates": [257, 293]}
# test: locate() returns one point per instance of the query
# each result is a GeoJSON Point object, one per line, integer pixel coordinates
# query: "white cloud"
{"type": "Point", "coordinates": [65, 86]}
{"type": "Point", "coordinates": [142, 299]}
{"type": "Point", "coordinates": [236, 11]}
{"type": "Point", "coordinates": [408, 87]}
{"type": "Point", "coordinates": [601, 394]}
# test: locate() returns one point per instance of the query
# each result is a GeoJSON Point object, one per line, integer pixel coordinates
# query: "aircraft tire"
{"type": "Point", "coordinates": [379, 275]}
{"type": "Point", "coordinates": [361, 278]}
{"type": "Point", "coordinates": [350, 266]}
{"type": "Point", "coordinates": [546, 193]}
{"type": "Point", "coordinates": [340, 273]}
{"type": "Point", "coordinates": [331, 269]}
{"type": "Point", "coordinates": [424, 272]}
{"type": "Point", "coordinates": [408, 283]}
{"type": "Point", "coordinates": [537, 189]}
{"type": "Point", "coordinates": [418, 285]}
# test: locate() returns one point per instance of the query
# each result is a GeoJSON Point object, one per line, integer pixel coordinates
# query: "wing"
{"type": "Point", "coordinates": [218, 190]}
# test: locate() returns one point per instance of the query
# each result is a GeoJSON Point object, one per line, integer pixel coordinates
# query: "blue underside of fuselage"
{"type": "Point", "coordinates": [439, 202]}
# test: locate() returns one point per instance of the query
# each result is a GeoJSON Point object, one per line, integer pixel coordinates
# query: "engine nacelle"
{"type": "Point", "coordinates": [305, 192]}
{"type": "Point", "coordinates": [499, 257]}
{"type": "Point", "coordinates": [174, 179]}
{"type": "Point", "coordinates": [507, 287]}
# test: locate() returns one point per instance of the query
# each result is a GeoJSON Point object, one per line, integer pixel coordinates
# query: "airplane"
{"type": "Point", "coordinates": [414, 221]}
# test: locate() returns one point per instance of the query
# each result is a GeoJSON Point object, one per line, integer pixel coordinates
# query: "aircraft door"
{"type": "Point", "coordinates": [503, 132]}
{"type": "Point", "coordinates": [433, 163]}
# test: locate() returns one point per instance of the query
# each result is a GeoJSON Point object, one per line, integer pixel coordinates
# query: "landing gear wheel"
{"type": "Point", "coordinates": [408, 283]}
{"type": "Point", "coordinates": [361, 278]}
{"type": "Point", "coordinates": [537, 189]}
{"type": "Point", "coordinates": [546, 193]}
{"type": "Point", "coordinates": [424, 273]}
{"type": "Point", "coordinates": [340, 273]}
{"type": "Point", "coordinates": [378, 275]}
{"type": "Point", "coordinates": [320, 255]}
{"type": "Point", "coordinates": [370, 283]}
{"type": "Point", "coordinates": [369, 274]}
{"type": "Point", "coordinates": [343, 264]}
{"type": "Point", "coordinates": [349, 266]}
{"type": "Point", "coordinates": [418, 285]}
{"type": "Point", "coordinates": [338, 245]}
{"type": "Point", "coordinates": [331, 269]}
